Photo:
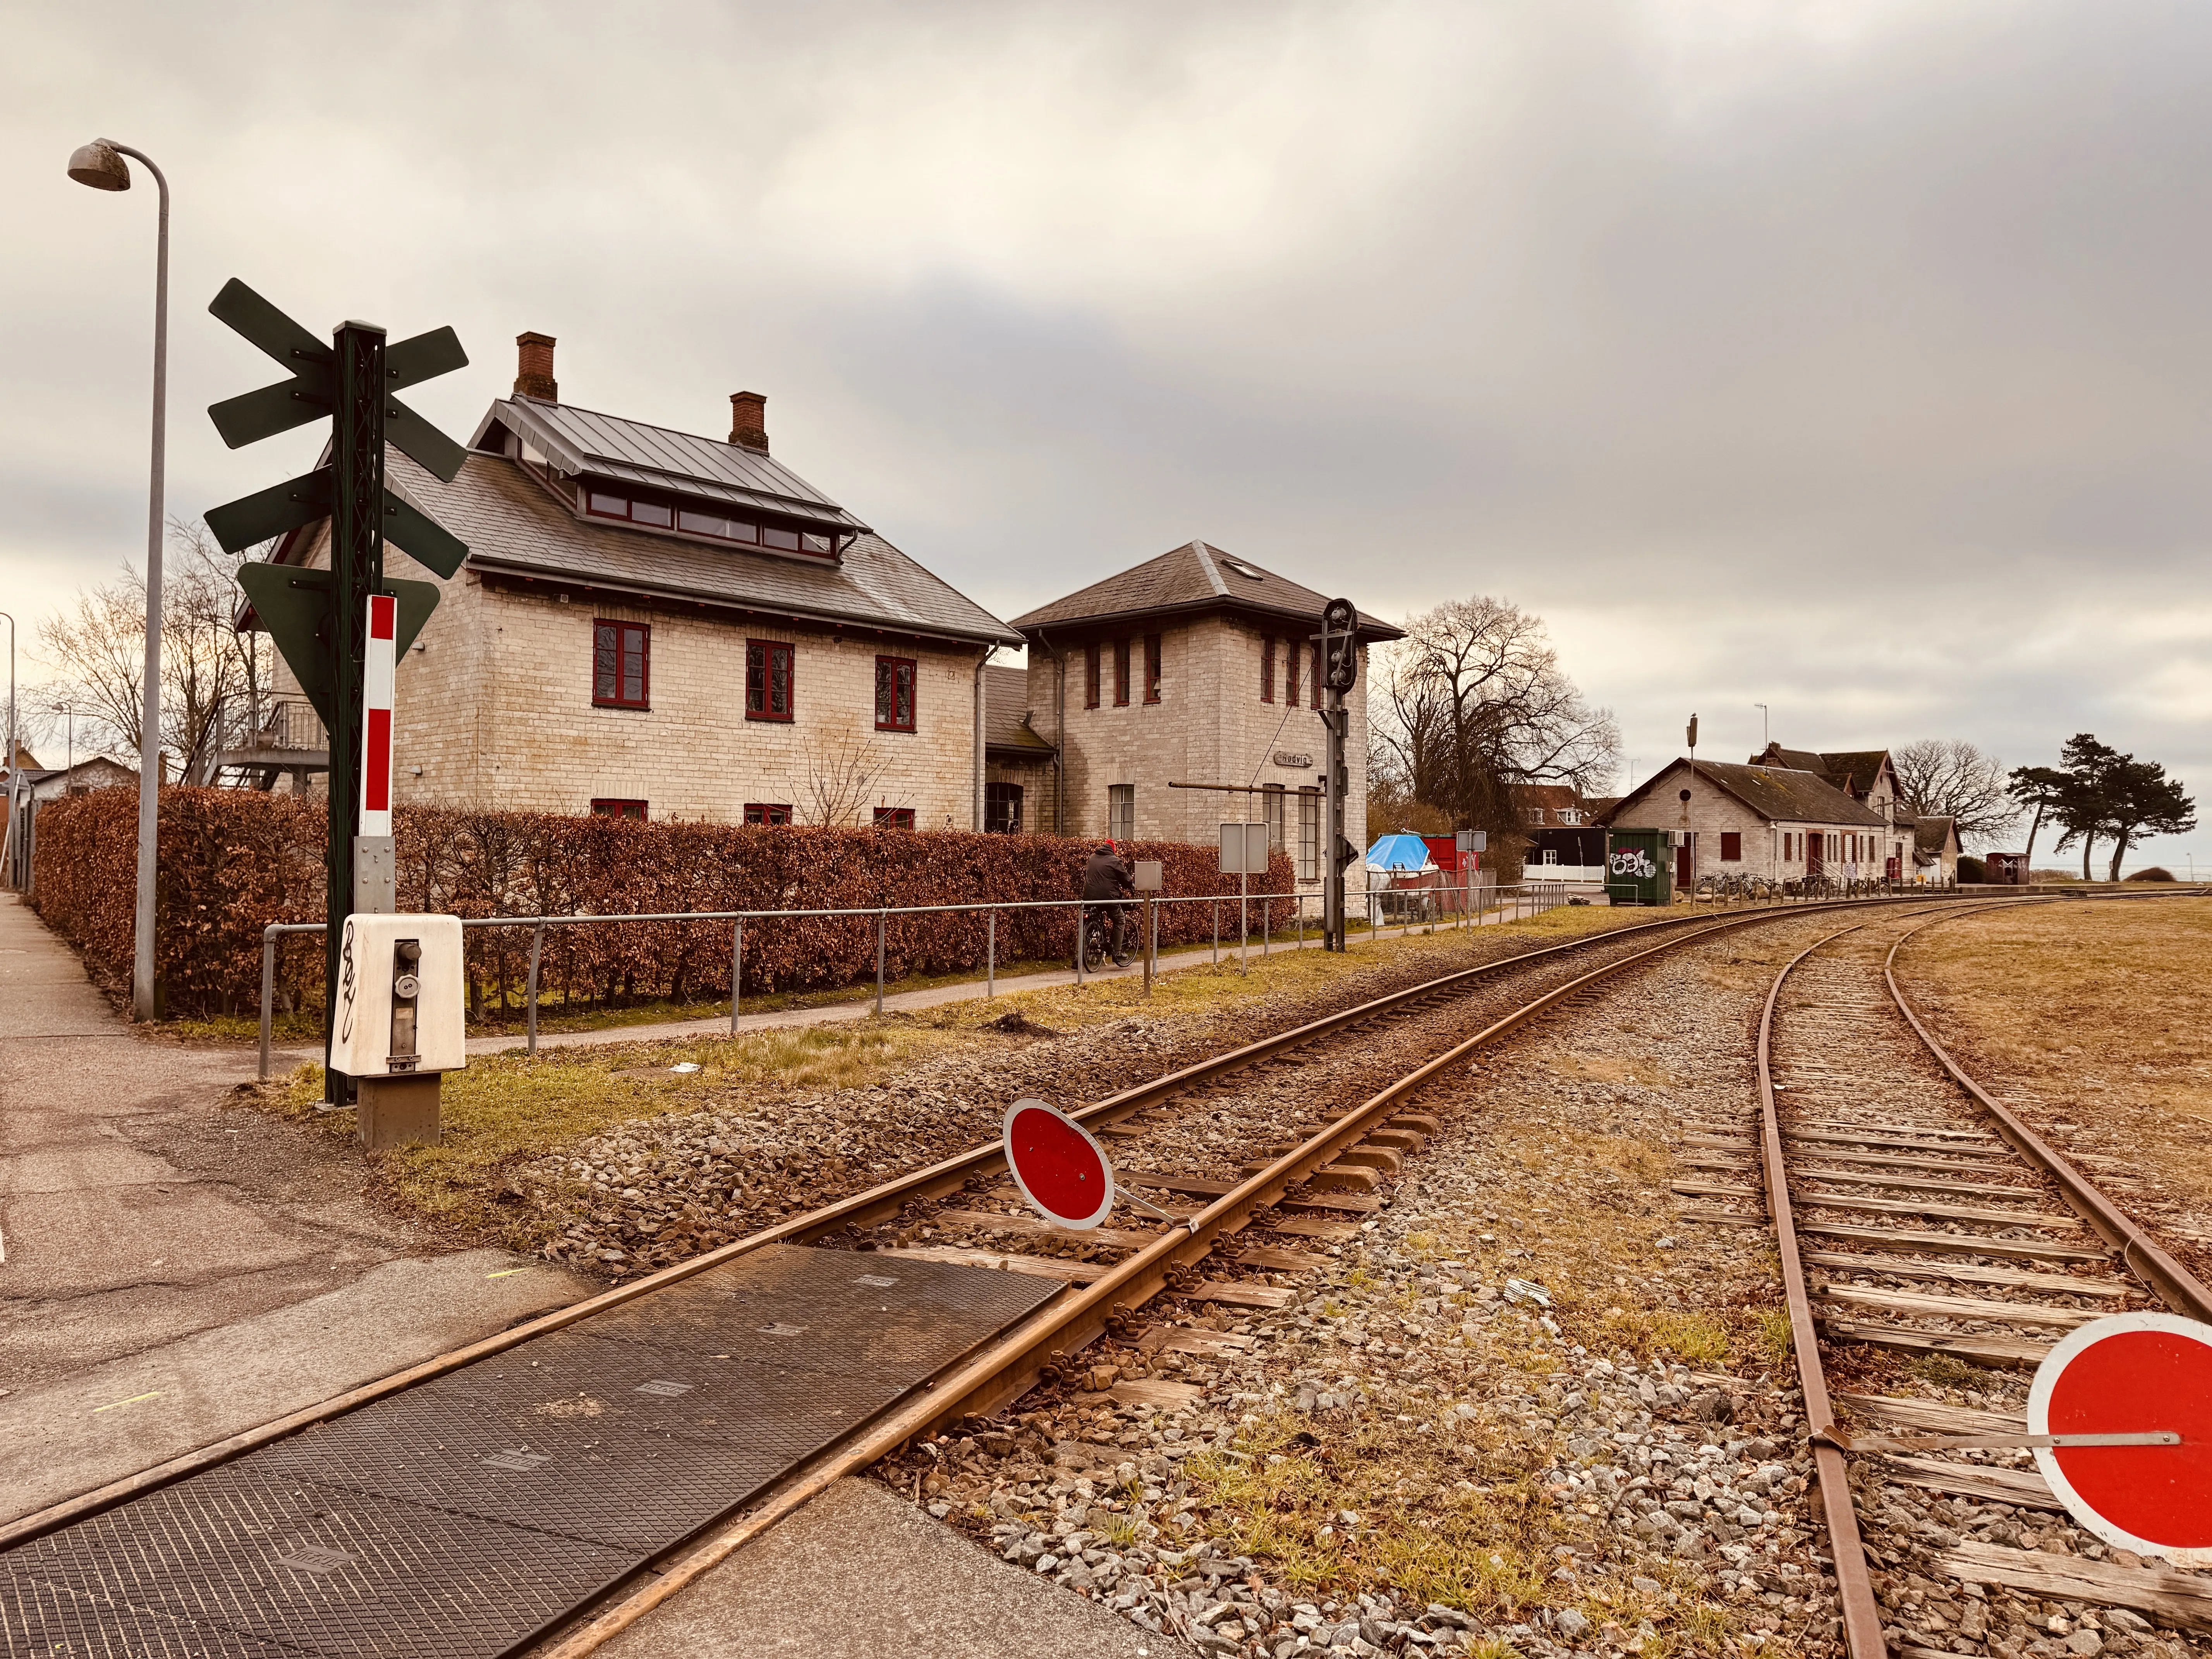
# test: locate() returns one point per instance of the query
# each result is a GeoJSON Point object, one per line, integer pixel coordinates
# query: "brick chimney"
{"type": "Point", "coordinates": [748, 419]}
{"type": "Point", "coordinates": [533, 375]}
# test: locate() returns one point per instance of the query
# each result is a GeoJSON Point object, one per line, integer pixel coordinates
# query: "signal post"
{"type": "Point", "coordinates": [322, 621]}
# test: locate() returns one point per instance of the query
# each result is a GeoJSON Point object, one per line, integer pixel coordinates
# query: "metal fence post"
{"type": "Point", "coordinates": [537, 944]}
{"type": "Point", "coordinates": [991, 958]}
{"type": "Point", "coordinates": [737, 972]}
{"type": "Point", "coordinates": [1217, 933]}
{"type": "Point", "coordinates": [1267, 926]}
{"type": "Point", "coordinates": [267, 992]}
{"type": "Point", "coordinates": [882, 919]}
{"type": "Point", "coordinates": [1081, 951]}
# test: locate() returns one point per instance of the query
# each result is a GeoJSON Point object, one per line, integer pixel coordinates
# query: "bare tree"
{"type": "Point", "coordinates": [1948, 778]}
{"type": "Point", "coordinates": [837, 774]}
{"type": "Point", "coordinates": [1472, 702]}
{"type": "Point", "coordinates": [207, 665]}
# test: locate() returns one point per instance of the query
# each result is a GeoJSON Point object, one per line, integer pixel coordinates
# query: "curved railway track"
{"type": "Point", "coordinates": [1922, 1226]}
{"type": "Point", "coordinates": [1280, 1140]}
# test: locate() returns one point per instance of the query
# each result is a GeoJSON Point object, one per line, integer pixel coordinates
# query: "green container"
{"type": "Point", "coordinates": [1639, 866]}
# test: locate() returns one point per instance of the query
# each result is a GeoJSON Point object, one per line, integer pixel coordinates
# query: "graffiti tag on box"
{"type": "Point", "coordinates": [1632, 861]}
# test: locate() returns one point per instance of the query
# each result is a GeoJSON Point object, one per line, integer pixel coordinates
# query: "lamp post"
{"type": "Point", "coordinates": [12, 749]}
{"type": "Point", "coordinates": [1764, 741]}
{"type": "Point", "coordinates": [100, 164]}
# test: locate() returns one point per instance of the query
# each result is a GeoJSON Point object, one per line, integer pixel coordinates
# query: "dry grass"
{"type": "Point", "coordinates": [2095, 1011]}
{"type": "Point", "coordinates": [505, 1109]}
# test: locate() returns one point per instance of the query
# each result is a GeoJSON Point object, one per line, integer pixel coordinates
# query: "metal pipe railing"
{"type": "Point", "coordinates": [275, 932]}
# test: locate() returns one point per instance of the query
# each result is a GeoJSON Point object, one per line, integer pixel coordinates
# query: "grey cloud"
{"type": "Point", "coordinates": [1851, 357]}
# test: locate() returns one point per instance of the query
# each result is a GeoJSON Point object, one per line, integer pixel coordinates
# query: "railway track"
{"type": "Point", "coordinates": [1926, 1233]}
{"type": "Point", "coordinates": [602, 1456]}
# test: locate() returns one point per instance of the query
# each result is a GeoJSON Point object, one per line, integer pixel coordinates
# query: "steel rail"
{"type": "Point", "coordinates": [858, 1210]}
{"type": "Point", "coordinates": [2170, 1282]}
{"type": "Point", "coordinates": [1862, 1612]}
{"type": "Point", "coordinates": [1014, 1364]}
{"type": "Point", "coordinates": [1846, 1549]}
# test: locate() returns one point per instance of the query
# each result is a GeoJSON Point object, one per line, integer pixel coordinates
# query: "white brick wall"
{"type": "Point", "coordinates": [1209, 726]}
{"type": "Point", "coordinates": [496, 710]}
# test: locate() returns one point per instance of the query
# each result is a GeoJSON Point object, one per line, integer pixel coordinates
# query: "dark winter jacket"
{"type": "Point", "coordinates": [1105, 877]}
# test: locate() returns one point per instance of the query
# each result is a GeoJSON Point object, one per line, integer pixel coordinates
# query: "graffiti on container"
{"type": "Point", "coordinates": [1633, 861]}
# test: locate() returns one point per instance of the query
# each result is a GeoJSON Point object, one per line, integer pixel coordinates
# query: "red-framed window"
{"type": "Point", "coordinates": [1290, 674]}
{"type": "Point", "coordinates": [1315, 679]}
{"type": "Point", "coordinates": [1731, 846]}
{"type": "Point", "coordinates": [767, 680]}
{"type": "Point", "coordinates": [895, 695]}
{"type": "Point", "coordinates": [1267, 669]}
{"type": "Point", "coordinates": [894, 818]}
{"type": "Point", "coordinates": [620, 664]}
{"type": "Point", "coordinates": [1091, 675]}
{"type": "Point", "coordinates": [607, 807]}
{"type": "Point", "coordinates": [1121, 673]}
{"type": "Point", "coordinates": [768, 811]}
{"type": "Point", "coordinates": [1151, 668]}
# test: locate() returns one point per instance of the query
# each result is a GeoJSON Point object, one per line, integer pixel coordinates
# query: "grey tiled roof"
{"type": "Point", "coordinates": [514, 524]}
{"type": "Point", "coordinates": [1779, 795]}
{"type": "Point", "coordinates": [1006, 700]}
{"type": "Point", "coordinates": [584, 441]}
{"type": "Point", "coordinates": [1195, 576]}
{"type": "Point", "coordinates": [1931, 835]}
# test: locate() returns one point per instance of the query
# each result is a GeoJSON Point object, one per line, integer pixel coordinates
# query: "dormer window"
{"type": "Point", "coordinates": [697, 521]}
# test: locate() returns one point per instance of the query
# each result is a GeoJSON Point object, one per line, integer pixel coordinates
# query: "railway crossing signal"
{"type": "Point", "coordinates": [324, 622]}
{"type": "Point", "coordinates": [2141, 1384]}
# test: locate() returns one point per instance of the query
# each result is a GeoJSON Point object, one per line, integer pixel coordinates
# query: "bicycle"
{"type": "Point", "coordinates": [1098, 937]}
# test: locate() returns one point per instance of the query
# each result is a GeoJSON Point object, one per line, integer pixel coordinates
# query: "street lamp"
{"type": "Point", "coordinates": [14, 828]}
{"type": "Point", "coordinates": [100, 164]}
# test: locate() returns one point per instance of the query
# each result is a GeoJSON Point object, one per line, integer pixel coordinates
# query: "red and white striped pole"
{"type": "Point", "coordinates": [377, 674]}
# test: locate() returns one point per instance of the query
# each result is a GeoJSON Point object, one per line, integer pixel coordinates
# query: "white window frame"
{"type": "Point", "coordinates": [1120, 811]}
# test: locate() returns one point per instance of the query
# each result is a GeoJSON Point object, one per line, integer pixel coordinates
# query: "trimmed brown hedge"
{"type": "Point", "coordinates": [234, 861]}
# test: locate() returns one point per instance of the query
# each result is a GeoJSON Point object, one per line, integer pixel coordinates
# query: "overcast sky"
{"type": "Point", "coordinates": [1849, 357]}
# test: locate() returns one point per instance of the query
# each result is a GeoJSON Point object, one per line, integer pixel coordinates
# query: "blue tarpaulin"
{"type": "Point", "coordinates": [1399, 853]}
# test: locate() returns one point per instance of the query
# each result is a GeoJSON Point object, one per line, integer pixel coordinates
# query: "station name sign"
{"type": "Point", "coordinates": [1292, 758]}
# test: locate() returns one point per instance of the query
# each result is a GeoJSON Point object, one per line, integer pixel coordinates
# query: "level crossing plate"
{"type": "Point", "coordinates": [2132, 1374]}
{"type": "Point", "coordinates": [466, 1515]}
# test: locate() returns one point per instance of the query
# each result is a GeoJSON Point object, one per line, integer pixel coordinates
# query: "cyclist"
{"type": "Point", "coordinates": [1106, 876]}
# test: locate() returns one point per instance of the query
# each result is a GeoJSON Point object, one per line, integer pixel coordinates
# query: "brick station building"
{"type": "Point", "coordinates": [657, 624]}
{"type": "Point", "coordinates": [1197, 666]}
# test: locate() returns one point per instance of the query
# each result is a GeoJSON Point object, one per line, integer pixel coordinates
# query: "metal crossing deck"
{"type": "Point", "coordinates": [466, 1515]}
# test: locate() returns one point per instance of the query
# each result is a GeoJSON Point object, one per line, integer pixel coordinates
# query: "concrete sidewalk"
{"type": "Point", "coordinates": [173, 1270]}
{"type": "Point", "coordinates": [861, 1574]}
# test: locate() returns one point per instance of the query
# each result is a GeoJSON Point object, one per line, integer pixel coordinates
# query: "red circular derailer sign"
{"type": "Point", "coordinates": [2132, 1373]}
{"type": "Point", "coordinates": [1060, 1169]}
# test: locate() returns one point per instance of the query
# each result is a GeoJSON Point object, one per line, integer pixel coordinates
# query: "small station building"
{"type": "Point", "coordinates": [1782, 823]}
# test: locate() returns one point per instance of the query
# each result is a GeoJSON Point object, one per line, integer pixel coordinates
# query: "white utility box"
{"type": "Point", "coordinates": [401, 1005]}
